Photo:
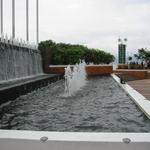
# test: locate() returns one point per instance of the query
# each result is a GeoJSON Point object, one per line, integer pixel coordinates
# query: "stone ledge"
{"type": "Point", "coordinates": [16, 89]}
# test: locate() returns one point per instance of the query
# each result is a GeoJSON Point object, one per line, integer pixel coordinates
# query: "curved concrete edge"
{"type": "Point", "coordinates": [74, 136]}
{"type": "Point", "coordinates": [138, 98]}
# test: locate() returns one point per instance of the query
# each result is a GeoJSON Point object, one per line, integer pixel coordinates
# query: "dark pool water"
{"type": "Point", "coordinates": [100, 106]}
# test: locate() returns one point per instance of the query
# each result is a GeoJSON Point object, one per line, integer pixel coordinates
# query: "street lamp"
{"type": "Point", "coordinates": [125, 39]}
{"type": "Point", "coordinates": [122, 41]}
{"type": "Point", "coordinates": [119, 40]}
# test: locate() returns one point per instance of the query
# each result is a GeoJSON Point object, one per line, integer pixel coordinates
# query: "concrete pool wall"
{"type": "Point", "coordinates": [13, 89]}
{"type": "Point", "coordinates": [139, 99]}
{"type": "Point", "coordinates": [31, 140]}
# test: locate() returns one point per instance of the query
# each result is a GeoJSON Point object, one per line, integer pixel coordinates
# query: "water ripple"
{"type": "Point", "coordinates": [100, 106]}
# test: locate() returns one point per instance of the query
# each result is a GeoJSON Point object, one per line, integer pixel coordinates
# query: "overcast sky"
{"type": "Point", "coordinates": [95, 23]}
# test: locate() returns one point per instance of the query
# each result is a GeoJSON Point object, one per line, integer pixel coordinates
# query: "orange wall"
{"type": "Point", "coordinates": [141, 74]}
{"type": "Point", "coordinates": [91, 70]}
{"type": "Point", "coordinates": [98, 70]}
{"type": "Point", "coordinates": [55, 70]}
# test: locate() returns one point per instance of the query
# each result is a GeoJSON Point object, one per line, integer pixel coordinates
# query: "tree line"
{"type": "Point", "coordinates": [64, 54]}
{"type": "Point", "coordinates": [142, 58]}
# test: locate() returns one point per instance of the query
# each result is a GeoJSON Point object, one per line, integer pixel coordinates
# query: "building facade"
{"type": "Point", "coordinates": [122, 53]}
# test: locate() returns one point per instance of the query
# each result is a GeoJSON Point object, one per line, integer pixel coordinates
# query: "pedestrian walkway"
{"type": "Point", "coordinates": [142, 86]}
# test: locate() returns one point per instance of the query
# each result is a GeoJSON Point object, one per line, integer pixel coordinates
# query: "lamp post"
{"type": "Point", "coordinates": [122, 41]}
{"type": "Point", "coordinates": [13, 18]}
{"type": "Point", "coordinates": [1, 16]}
{"type": "Point", "coordinates": [37, 21]}
{"type": "Point", "coordinates": [27, 20]}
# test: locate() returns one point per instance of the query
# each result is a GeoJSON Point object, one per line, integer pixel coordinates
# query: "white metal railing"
{"type": "Point", "coordinates": [16, 41]}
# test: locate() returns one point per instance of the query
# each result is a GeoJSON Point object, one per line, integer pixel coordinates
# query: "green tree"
{"type": "Point", "coordinates": [64, 54]}
{"type": "Point", "coordinates": [130, 58]}
{"type": "Point", "coordinates": [144, 56]}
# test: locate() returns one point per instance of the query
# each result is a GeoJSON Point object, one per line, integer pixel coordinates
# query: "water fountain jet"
{"type": "Point", "coordinates": [75, 78]}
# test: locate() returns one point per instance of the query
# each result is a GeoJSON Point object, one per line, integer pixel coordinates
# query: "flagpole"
{"type": "Point", "coordinates": [27, 20]}
{"type": "Point", "coordinates": [1, 16]}
{"type": "Point", "coordinates": [13, 18]}
{"type": "Point", "coordinates": [37, 21]}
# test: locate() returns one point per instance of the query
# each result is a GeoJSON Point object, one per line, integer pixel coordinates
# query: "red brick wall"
{"type": "Point", "coordinates": [98, 70]}
{"type": "Point", "coordinates": [55, 70]}
{"type": "Point", "coordinates": [141, 74]}
{"type": "Point", "coordinates": [91, 70]}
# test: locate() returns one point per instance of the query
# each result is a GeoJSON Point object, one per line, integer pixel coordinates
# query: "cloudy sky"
{"type": "Point", "coordinates": [95, 23]}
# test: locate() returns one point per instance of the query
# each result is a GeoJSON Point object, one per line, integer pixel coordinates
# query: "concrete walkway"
{"type": "Point", "coordinates": [142, 86]}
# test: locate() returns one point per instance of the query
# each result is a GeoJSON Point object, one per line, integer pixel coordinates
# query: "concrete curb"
{"type": "Point", "coordinates": [139, 99]}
